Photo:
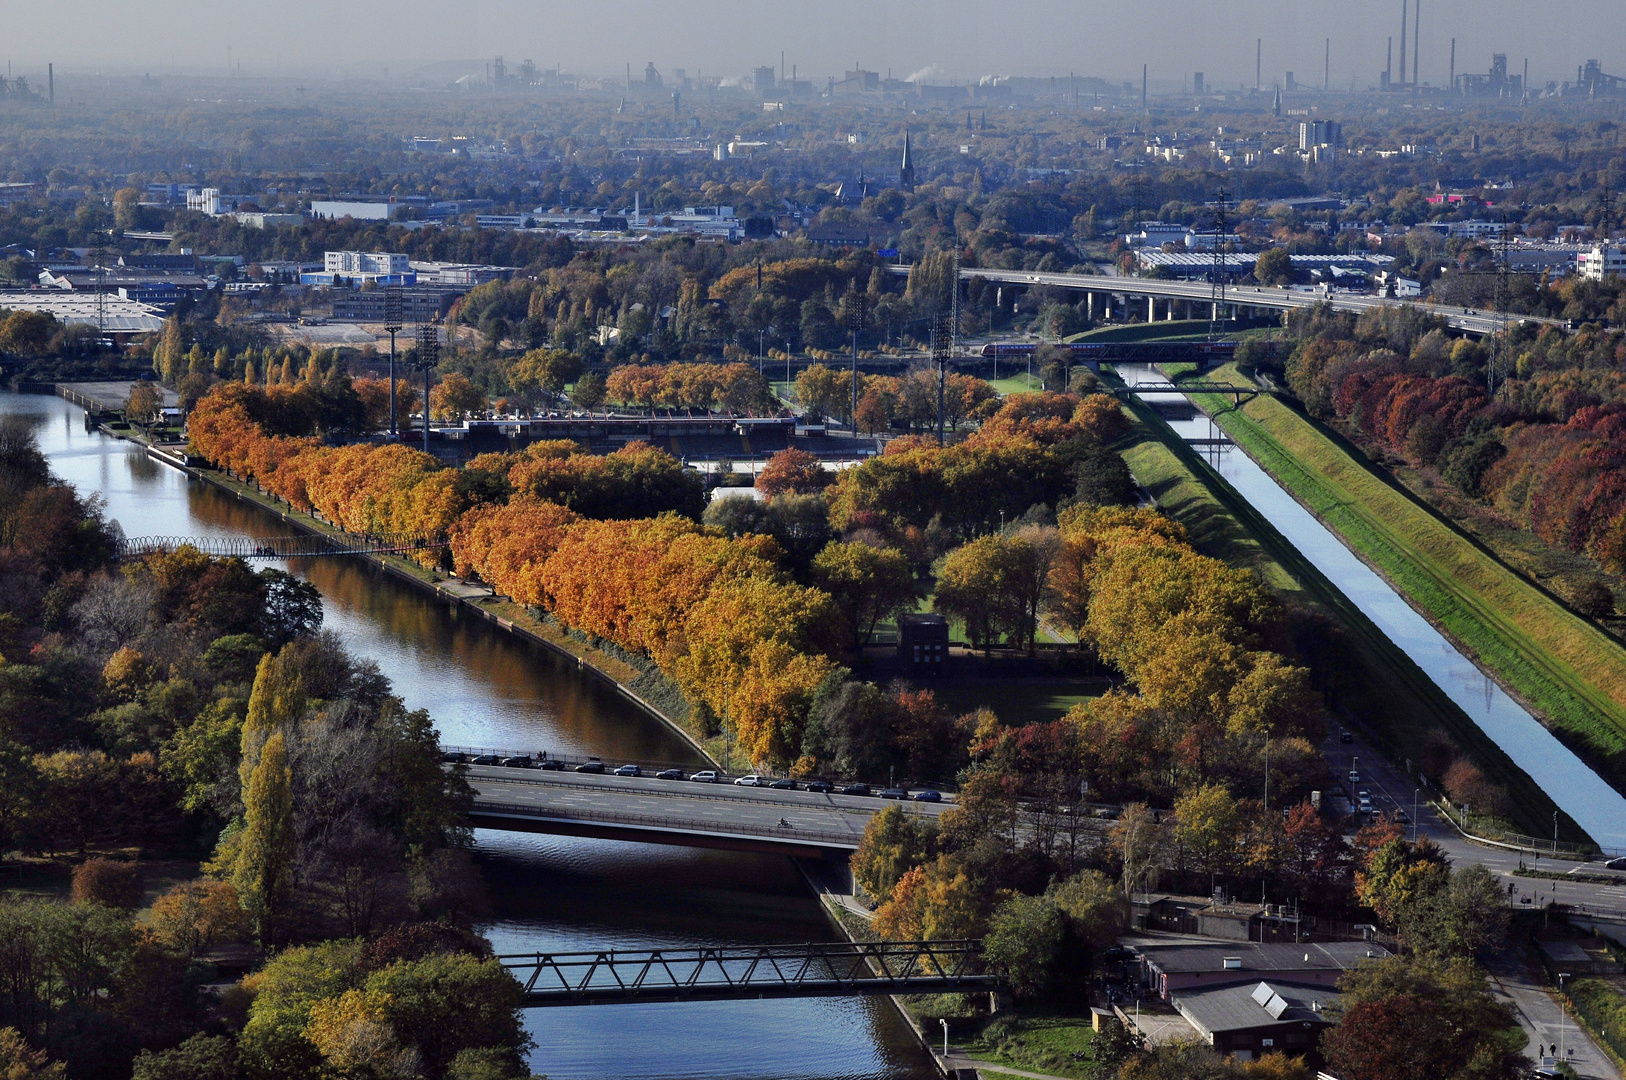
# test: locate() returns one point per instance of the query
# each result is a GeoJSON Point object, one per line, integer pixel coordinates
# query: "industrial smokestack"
{"type": "Point", "coordinates": [1326, 71]}
{"type": "Point", "coordinates": [1258, 62]}
{"type": "Point", "coordinates": [1143, 87]}
{"type": "Point", "coordinates": [1405, 10]}
{"type": "Point", "coordinates": [1453, 64]}
{"type": "Point", "coordinates": [1416, 42]}
{"type": "Point", "coordinates": [50, 81]}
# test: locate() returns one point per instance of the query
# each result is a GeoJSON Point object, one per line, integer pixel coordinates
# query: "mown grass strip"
{"type": "Point", "coordinates": [1396, 703]}
{"type": "Point", "coordinates": [1568, 671]}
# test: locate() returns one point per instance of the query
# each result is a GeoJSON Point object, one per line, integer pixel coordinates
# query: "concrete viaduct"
{"type": "Point", "coordinates": [1111, 296]}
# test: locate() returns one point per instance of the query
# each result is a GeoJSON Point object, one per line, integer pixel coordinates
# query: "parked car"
{"type": "Point", "coordinates": [552, 765]}
{"type": "Point", "coordinates": [928, 796]}
{"type": "Point", "coordinates": [751, 780]}
{"type": "Point", "coordinates": [516, 762]}
{"type": "Point", "coordinates": [1345, 737]}
{"type": "Point", "coordinates": [452, 757]}
{"type": "Point", "coordinates": [856, 789]}
{"type": "Point", "coordinates": [629, 770]}
{"type": "Point", "coordinates": [1401, 816]}
{"type": "Point", "coordinates": [590, 767]}
{"type": "Point", "coordinates": [1354, 776]}
{"type": "Point", "coordinates": [488, 759]}
{"type": "Point", "coordinates": [1615, 864]}
{"type": "Point", "coordinates": [783, 785]}
{"type": "Point", "coordinates": [669, 774]}
{"type": "Point", "coordinates": [894, 793]}
{"type": "Point", "coordinates": [822, 787]}
{"type": "Point", "coordinates": [706, 776]}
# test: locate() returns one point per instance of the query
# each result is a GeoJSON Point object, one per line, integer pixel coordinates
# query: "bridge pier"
{"type": "Point", "coordinates": [1151, 309]}
{"type": "Point", "coordinates": [1089, 306]}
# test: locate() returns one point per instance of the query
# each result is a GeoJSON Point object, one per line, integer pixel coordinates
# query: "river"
{"type": "Point", "coordinates": [487, 688]}
{"type": "Point", "coordinates": [1570, 782]}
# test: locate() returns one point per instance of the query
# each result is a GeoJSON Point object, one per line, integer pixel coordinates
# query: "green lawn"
{"type": "Point", "coordinates": [1037, 1042]}
{"type": "Point", "coordinates": [1016, 701]}
{"type": "Point", "coordinates": [1372, 680]}
{"type": "Point", "coordinates": [1020, 383]}
{"type": "Point", "coordinates": [1570, 671]}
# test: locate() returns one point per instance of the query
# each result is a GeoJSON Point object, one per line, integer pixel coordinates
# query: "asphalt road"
{"type": "Point", "coordinates": [682, 801]}
{"type": "Point", "coordinates": [1392, 791]}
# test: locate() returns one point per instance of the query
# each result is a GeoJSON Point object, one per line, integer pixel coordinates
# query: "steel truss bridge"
{"type": "Point", "coordinates": [282, 547]}
{"type": "Point", "coordinates": [767, 971]}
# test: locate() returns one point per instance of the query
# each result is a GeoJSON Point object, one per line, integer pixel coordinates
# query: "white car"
{"type": "Point", "coordinates": [705, 776]}
{"type": "Point", "coordinates": [752, 780]}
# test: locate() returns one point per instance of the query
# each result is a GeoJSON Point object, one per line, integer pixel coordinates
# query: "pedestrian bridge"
{"type": "Point", "coordinates": [678, 812]}
{"type": "Point", "coordinates": [766, 971]}
{"type": "Point", "coordinates": [304, 545]}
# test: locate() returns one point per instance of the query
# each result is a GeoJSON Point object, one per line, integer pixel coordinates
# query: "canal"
{"type": "Point", "coordinates": [487, 688]}
{"type": "Point", "coordinates": [1570, 782]}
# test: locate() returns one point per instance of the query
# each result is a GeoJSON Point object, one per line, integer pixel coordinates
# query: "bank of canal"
{"type": "Point", "coordinates": [485, 686]}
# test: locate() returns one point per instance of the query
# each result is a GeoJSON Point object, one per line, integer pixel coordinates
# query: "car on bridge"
{"type": "Point", "coordinates": [669, 774]}
{"type": "Point", "coordinates": [820, 787]}
{"type": "Point", "coordinates": [751, 780]}
{"type": "Point", "coordinates": [552, 765]}
{"type": "Point", "coordinates": [784, 784]}
{"type": "Point", "coordinates": [706, 776]}
{"type": "Point", "coordinates": [928, 796]}
{"type": "Point", "coordinates": [518, 763]}
{"type": "Point", "coordinates": [487, 759]}
{"type": "Point", "coordinates": [629, 770]}
{"type": "Point", "coordinates": [894, 793]}
{"type": "Point", "coordinates": [856, 789]}
{"type": "Point", "coordinates": [594, 766]}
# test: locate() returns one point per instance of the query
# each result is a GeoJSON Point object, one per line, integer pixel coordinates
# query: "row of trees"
{"type": "Point", "coordinates": [729, 388]}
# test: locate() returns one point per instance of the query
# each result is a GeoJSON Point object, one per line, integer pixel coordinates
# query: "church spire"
{"type": "Point", "coordinates": [906, 172]}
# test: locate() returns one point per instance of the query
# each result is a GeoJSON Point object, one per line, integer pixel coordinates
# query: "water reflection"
{"type": "Point", "coordinates": [1568, 781]}
{"type": "Point", "coordinates": [485, 687]}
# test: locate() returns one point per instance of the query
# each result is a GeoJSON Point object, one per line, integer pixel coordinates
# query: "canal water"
{"type": "Point", "coordinates": [487, 688]}
{"type": "Point", "coordinates": [1570, 782]}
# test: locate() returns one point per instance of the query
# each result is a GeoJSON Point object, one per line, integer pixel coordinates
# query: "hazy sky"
{"type": "Point", "coordinates": [952, 41]}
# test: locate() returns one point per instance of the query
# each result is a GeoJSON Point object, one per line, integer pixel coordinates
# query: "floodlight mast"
{"type": "Point", "coordinates": [392, 323]}
{"type": "Point", "coordinates": [428, 359]}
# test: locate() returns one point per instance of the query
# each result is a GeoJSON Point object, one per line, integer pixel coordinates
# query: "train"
{"type": "Point", "coordinates": [1209, 352]}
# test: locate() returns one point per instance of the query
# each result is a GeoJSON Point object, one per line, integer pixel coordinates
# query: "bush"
{"type": "Point", "coordinates": [113, 883]}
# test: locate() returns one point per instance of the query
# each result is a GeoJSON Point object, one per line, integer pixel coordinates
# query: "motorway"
{"type": "Point", "coordinates": [1392, 791]}
{"type": "Point", "coordinates": [674, 811]}
{"type": "Point", "coordinates": [1466, 320]}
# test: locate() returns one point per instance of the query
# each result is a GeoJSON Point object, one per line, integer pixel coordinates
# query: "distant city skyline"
{"type": "Point", "coordinates": [370, 39]}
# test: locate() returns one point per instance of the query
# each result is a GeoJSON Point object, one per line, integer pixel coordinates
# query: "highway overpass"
{"type": "Point", "coordinates": [680, 812]}
{"type": "Point", "coordinates": [1166, 300]}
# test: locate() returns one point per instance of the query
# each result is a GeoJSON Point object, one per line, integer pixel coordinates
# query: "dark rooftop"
{"type": "Point", "coordinates": [1253, 956]}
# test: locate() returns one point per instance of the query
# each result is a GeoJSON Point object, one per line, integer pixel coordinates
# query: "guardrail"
{"type": "Point", "coordinates": [787, 835]}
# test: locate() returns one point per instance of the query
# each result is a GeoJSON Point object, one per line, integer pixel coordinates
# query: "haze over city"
{"type": "Point", "coordinates": [362, 38]}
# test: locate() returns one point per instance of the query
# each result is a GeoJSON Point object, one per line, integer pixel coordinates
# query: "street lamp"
{"type": "Point", "coordinates": [1562, 975]}
{"type": "Point", "coordinates": [1414, 792]}
{"type": "Point", "coordinates": [944, 1022]}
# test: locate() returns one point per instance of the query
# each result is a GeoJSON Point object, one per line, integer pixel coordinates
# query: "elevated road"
{"type": "Point", "coordinates": [680, 812]}
{"type": "Point", "coordinates": [1199, 294]}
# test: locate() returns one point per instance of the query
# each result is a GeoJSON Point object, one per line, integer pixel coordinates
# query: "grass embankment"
{"type": "Point", "coordinates": [1396, 704]}
{"type": "Point", "coordinates": [1567, 670]}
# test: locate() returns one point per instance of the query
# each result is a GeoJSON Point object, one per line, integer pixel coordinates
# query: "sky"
{"type": "Point", "coordinates": [942, 42]}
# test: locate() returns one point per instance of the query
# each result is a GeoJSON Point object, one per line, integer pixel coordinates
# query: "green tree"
{"type": "Point", "coordinates": [971, 587]}
{"type": "Point", "coordinates": [545, 372]}
{"type": "Point", "coordinates": [1024, 943]}
{"type": "Point", "coordinates": [869, 584]}
{"type": "Point", "coordinates": [276, 704]}
{"type": "Point", "coordinates": [1094, 908]}
{"type": "Point", "coordinates": [1275, 267]}
{"type": "Point", "coordinates": [893, 844]}
{"type": "Point", "coordinates": [201, 1057]}
{"type": "Point", "coordinates": [266, 846]}
{"type": "Point", "coordinates": [1208, 826]}
{"type": "Point", "coordinates": [589, 391]}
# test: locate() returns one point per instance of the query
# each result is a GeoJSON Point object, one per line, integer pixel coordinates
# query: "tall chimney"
{"type": "Point", "coordinates": [1326, 71]}
{"type": "Point", "coordinates": [1405, 9]}
{"type": "Point", "coordinates": [50, 81]}
{"type": "Point", "coordinates": [1258, 61]}
{"type": "Point", "coordinates": [1453, 65]}
{"type": "Point", "coordinates": [1416, 42]}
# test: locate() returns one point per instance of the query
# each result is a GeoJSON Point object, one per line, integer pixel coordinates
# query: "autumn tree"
{"type": "Point", "coordinates": [265, 847]}
{"type": "Point", "coordinates": [544, 373]}
{"type": "Point", "coordinates": [868, 584]}
{"type": "Point", "coordinates": [456, 397]}
{"type": "Point", "coordinates": [792, 470]}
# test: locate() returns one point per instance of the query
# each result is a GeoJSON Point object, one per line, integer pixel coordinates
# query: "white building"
{"type": "Point", "coordinates": [365, 263]}
{"type": "Point", "coordinates": [206, 201]}
{"type": "Point", "coordinates": [360, 211]}
{"type": "Point", "coordinates": [1601, 261]}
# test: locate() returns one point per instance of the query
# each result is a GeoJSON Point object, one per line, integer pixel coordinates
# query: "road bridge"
{"type": "Point", "coordinates": [767, 971]}
{"type": "Point", "coordinates": [281, 547]}
{"type": "Point", "coordinates": [679, 812]}
{"type": "Point", "coordinates": [1197, 297]}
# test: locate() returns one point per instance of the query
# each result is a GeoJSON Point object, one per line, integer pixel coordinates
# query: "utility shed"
{"type": "Point", "coordinates": [1251, 1021]}
{"type": "Point", "coordinates": [923, 643]}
